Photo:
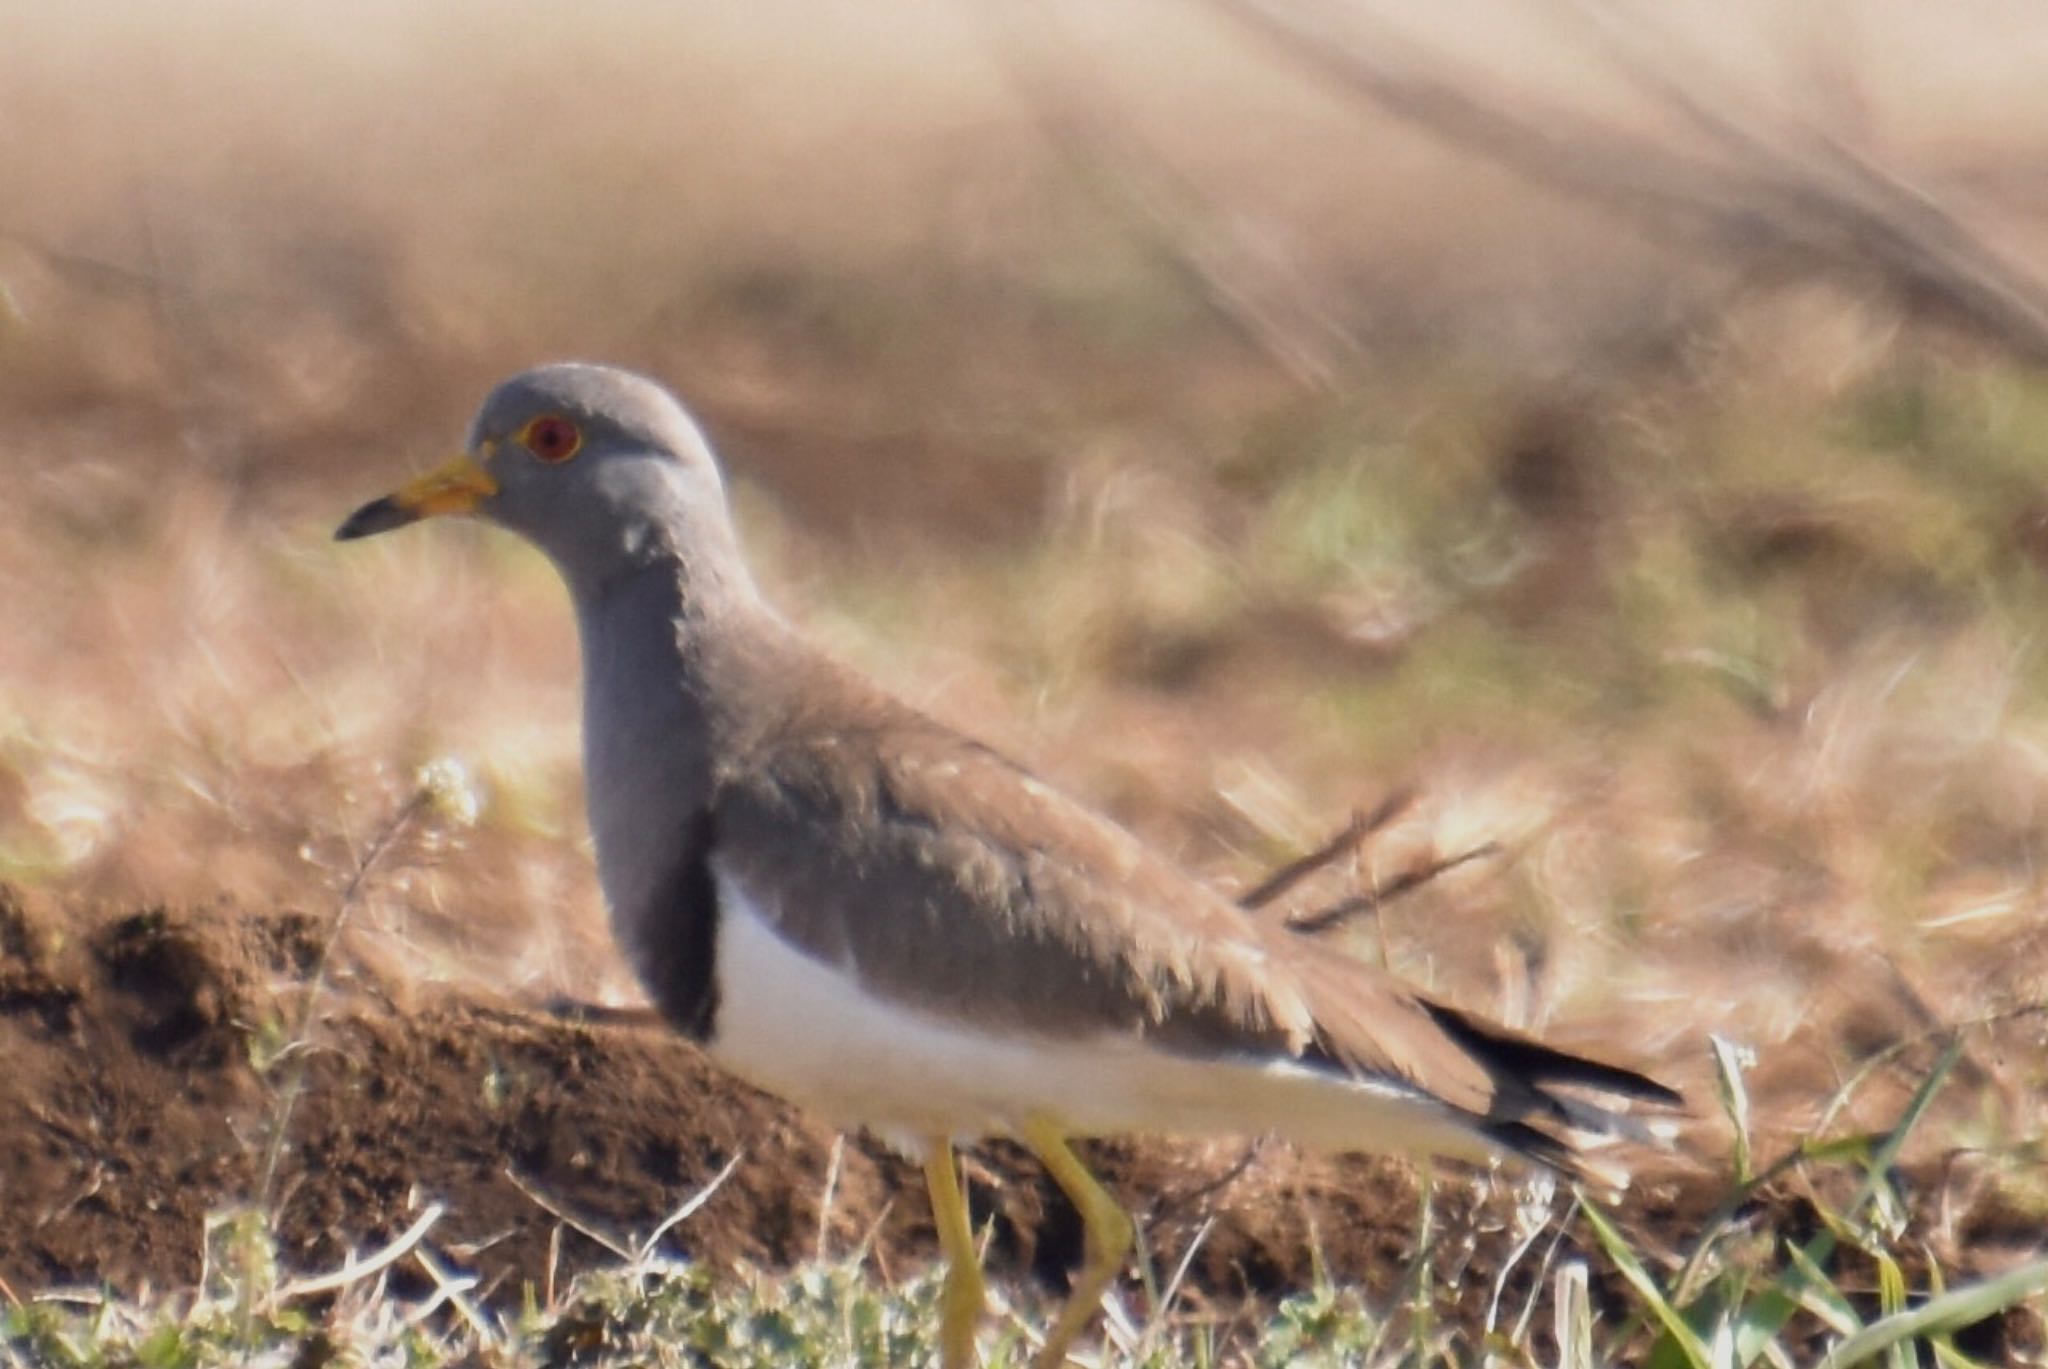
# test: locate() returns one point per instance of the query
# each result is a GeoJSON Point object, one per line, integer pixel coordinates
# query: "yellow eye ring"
{"type": "Point", "coordinates": [551, 438]}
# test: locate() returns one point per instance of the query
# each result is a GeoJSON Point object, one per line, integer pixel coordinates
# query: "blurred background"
{"type": "Point", "coordinates": [1620, 426]}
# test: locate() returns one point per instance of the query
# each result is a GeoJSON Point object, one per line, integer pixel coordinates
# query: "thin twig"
{"type": "Point", "coordinates": [689, 1207]}
{"type": "Point", "coordinates": [1528, 1317]}
{"type": "Point", "coordinates": [316, 983]}
{"type": "Point", "coordinates": [1887, 1054]}
{"type": "Point", "coordinates": [355, 1271]}
{"type": "Point", "coordinates": [1174, 1202]}
{"type": "Point", "coordinates": [1118, 1326]}
{"type": "Point", "coordinates": [1323, 919]}
{"type": "Point", "coordinates": [554, 1265]}
{"type": "Point", "coordinates": [452, 1289]}
{"type": "Point", "coordinates": [548, 1205]}
{"type": "Point", "coordinates": [640, 1255]}
{"type": "Point", "coordinates": [1361, 826]}
{"type": "Point", "coordinates": [1163, 1312]}
{"type": "Point", "coordinates": [832, 1166]}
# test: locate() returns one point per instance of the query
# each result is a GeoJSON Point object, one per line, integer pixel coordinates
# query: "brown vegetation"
{"type": "Point", "coordinates": [1711, 598]}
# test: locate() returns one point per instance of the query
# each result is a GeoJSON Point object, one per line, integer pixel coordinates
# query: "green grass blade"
{"type": "Point", "coordinates": [1887, 1153]}
{"type": "Point", "coordinates": [1948, 1357]}
{"type": "Point", "coordinates": [1758, 1322]}
{"type": "Point", "coordinates": [1808, 1284]}
{"type": "Point", "coordinates": [1729, 1060]}
{"type": "Point", "coordinates": [1676, 1328]}
{"type": "Point", "coordinates": [1891, 1300]}
{"type": "Point", "coordinates": [1960, 1307]}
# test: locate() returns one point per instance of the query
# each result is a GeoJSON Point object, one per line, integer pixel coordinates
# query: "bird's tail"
{"type": "Point", "coordinates": [1534, 1118]}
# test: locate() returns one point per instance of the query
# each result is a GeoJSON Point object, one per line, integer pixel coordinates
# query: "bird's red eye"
{"type": "Point", "coordinates": [552, 438]}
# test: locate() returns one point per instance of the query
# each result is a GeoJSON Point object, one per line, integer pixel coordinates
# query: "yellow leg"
{"type": "Point", "coordinates": [1106, 1231]}
{"type": "Point", "coordinates": [960, 1302]}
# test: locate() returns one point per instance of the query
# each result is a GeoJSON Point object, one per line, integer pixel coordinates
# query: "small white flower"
{"type": "Point", "coordinates": [450, 790]}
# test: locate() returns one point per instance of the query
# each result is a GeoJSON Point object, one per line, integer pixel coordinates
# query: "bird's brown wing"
{"type": "Point", "coordinates": [946, 877]}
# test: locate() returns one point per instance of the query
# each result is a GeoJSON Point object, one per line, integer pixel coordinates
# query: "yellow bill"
{"type": "Point", "coordinates": [455, 487]}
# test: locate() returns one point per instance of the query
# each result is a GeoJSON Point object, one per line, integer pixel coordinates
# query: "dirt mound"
{"type": "Point", "coordinates": [148, 1072]}
{"type": "Point", "coordinates": [147, 1079]}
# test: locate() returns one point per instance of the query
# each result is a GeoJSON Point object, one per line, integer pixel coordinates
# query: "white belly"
{"type": "Point", "coordinates": [806, 1031]}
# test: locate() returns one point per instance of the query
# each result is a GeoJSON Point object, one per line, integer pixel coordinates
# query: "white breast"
{"type": "Point", "coordinates": [807, 1031]}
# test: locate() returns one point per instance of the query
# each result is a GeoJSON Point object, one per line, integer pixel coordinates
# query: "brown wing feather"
{"type": "Point", "coordinates": [946, 876]}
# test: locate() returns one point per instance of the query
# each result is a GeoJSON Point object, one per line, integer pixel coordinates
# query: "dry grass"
{"type": "Point", "coordinates": [1716, 606]}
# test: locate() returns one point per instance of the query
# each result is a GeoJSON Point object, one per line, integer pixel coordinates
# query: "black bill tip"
{"type": "Point", "coordinates": [379, 515]}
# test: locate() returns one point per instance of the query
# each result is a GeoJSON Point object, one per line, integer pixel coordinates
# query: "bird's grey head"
{"type": "Point", "coordinates": [600, 468]}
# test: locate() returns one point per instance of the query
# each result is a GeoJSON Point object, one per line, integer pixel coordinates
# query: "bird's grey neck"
{"type": "Point", "coordinates": [650, 635]}
{"type": "Point", "coordinates": [698, 568]}
{"type": "Point", "coordinates": [659, 659]}
{"type": "Point", "coordinates": [651, 643]}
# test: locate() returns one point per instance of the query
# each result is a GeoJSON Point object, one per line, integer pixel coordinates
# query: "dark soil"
{"type": "Point", "coordinates": [133, 1107]}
